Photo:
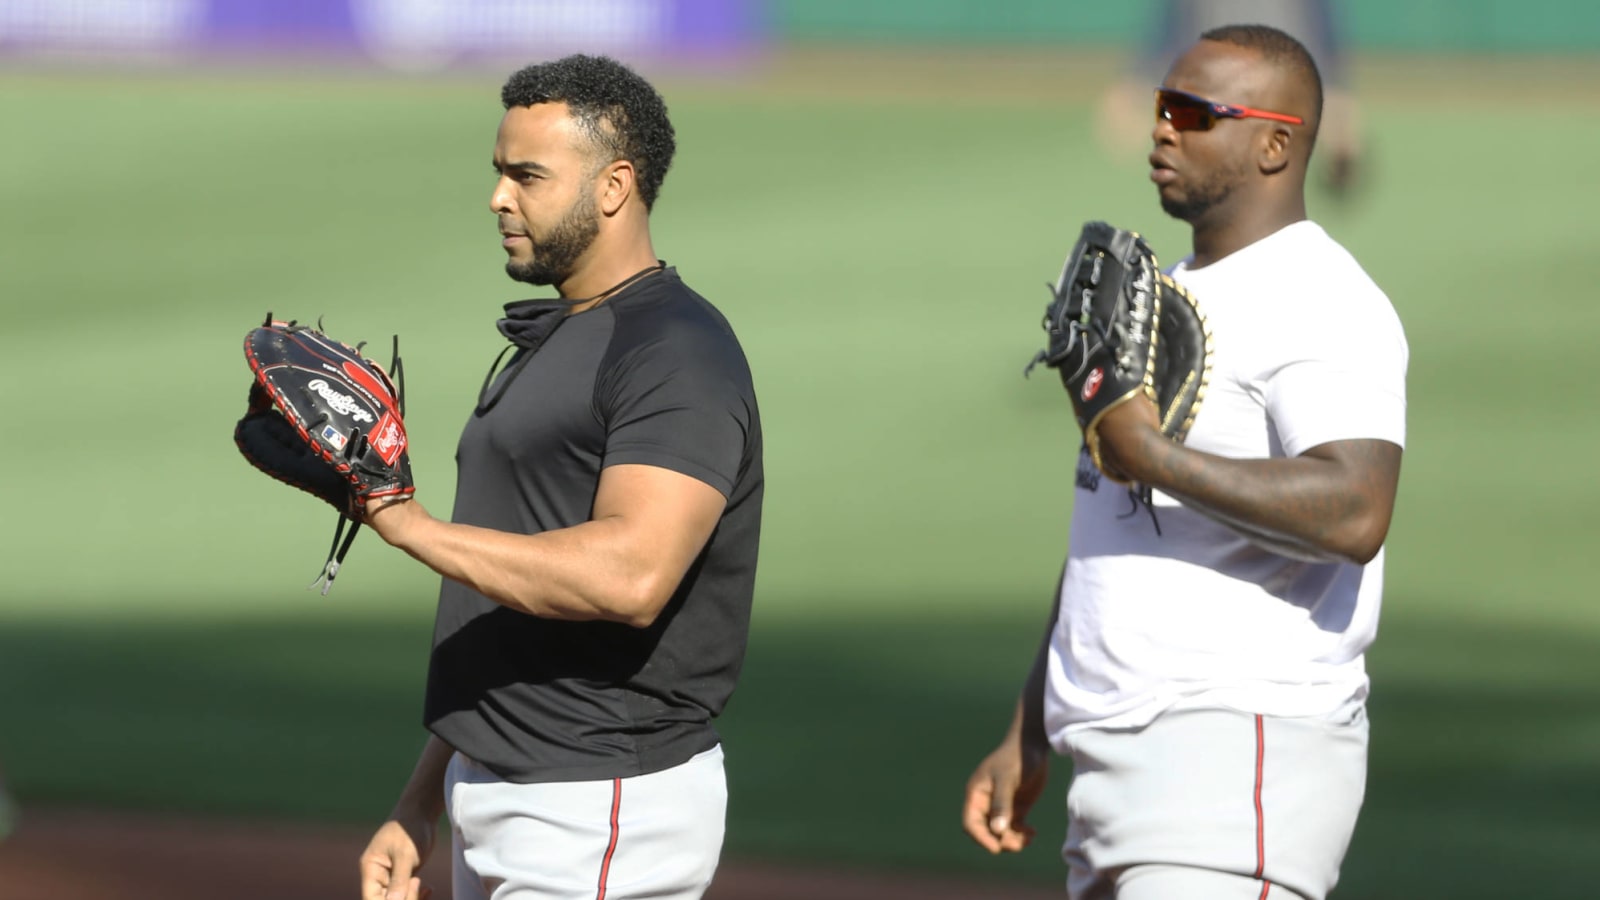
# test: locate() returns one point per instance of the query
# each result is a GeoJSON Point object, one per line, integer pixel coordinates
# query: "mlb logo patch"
{"type": "Point", "coordinates": [333, 436]}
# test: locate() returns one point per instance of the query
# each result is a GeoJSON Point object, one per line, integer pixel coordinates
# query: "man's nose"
{"type": "Point", "coordinates": [500, 199]}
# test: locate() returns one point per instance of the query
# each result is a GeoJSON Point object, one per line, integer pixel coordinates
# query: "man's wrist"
{"type": "Point", "coordinates": [417, 812]}
{"type": "Point", "coordinates": [395, 519]}
{"type": "Point", "coordinates": [1141, 450]}
{"type": "Point", "coordinates": [1130, 440]}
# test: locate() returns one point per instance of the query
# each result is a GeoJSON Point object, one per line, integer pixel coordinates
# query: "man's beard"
{"type": "Point", "coordinates": [555, 255]}
{"type": "Point", "coordinates": [1203, 199]}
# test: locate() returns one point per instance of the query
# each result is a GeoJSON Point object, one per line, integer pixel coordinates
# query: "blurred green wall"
{"type": "Point", "coordinates": [1433, 25]}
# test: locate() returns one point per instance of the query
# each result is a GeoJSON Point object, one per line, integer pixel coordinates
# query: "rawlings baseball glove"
{"type": "Point", "coordinates": [1119, 328]}
{"type": "Point", "coordinates": [327, 420]}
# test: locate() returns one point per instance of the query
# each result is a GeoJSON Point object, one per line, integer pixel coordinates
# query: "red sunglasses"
{"type": "Point", "coordinates": [1188, 112]}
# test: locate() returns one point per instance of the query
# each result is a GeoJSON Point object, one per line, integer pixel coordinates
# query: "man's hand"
{"type": "Point", "coordinates": [392, 858]}
{"type": "Point", "coordinates": [1000, 794]}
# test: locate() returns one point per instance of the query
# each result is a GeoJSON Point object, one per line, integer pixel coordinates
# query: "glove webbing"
{"type": "Point", "coordinates": [1075, 337]}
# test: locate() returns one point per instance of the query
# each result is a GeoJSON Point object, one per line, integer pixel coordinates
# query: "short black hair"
{"type": "Point", "coordinates": [621, 113]}
{"type": "Point", "coordinates": [1277, 47]}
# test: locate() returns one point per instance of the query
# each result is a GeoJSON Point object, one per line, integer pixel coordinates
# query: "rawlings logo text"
{"type": "Point", "coordinates": [1143, 291]}
{"type": "Point", "coordinates": [341, 403]}
{"type": "Point", "coordinates": [389, 439]}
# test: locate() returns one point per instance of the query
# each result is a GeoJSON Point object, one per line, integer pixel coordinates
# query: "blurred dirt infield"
{"type": "Point", "coordinates": [126, 856]}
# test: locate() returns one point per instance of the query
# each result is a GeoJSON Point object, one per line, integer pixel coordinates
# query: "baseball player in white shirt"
{"type": "Point", "coordinates": [1203, 667]}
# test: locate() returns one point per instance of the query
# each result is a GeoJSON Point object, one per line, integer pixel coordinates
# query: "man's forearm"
{"type": "Point", "coordinates": [424, 791]}
{"type": "Point", "coordinates": [585, 572]}
{"type": "Point", "coordinates": [1312, 507]}
{"type": "Point", "coordinates": [1027, 724]}
{"type": "Point", "coordinates": [1281, 544]}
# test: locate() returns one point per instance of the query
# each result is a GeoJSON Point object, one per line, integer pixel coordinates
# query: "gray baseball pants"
{"type": "Point", "coordinates": [656, 835]}
{"type": "Point", "coordinates": [1215, 804]}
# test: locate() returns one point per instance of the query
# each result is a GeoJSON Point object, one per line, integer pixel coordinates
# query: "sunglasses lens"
{"type": "Point", "coordinates": [1184, 112]}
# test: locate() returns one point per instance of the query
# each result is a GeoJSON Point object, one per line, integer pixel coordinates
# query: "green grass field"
{"type": "Point", "coordinates": [881, 248]}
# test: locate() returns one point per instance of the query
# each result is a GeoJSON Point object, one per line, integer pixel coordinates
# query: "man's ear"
{"type": "Point", "coordinates": [1275, 150]}
{"type": "Point", "coordinates": [616, 186]}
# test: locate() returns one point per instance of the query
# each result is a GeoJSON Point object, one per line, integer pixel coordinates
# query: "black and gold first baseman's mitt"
{"type": "Point", "coordinates": [1118, 327]}
{"type": "Point", "coordinates": [327, 420]}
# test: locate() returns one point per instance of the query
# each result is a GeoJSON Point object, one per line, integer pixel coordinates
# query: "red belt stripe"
{"type": "Point", "coordinates": [611, 848]}
{"type": "Point", "coordinates": [1261, 820]}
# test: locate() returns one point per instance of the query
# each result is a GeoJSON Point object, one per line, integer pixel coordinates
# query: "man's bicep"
{"type": "Point", "coordinates": [1367, 477]}
{"type": "Point", "coordinates": [669, 515]}
{"type": "Point", "coordinates": [1370, 467]}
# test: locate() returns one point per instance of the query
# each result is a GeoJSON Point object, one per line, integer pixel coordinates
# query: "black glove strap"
{"type": "Point", "coordinates": [336, 552]}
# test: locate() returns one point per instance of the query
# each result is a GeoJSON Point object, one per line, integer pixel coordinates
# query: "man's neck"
{"type": "Point", "coordinates": [605, 273]}
{"type": "Point", "coordinates": [1214, 242]}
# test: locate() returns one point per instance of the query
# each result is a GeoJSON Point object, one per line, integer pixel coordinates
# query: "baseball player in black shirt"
{"type": "Point", "coordinates": [599, 562]}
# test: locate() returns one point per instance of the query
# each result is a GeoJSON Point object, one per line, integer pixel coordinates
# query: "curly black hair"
{"type": "Point", "coordinates": [622, 114]}
{"type": "Point", "coordinates": [1279, 48]}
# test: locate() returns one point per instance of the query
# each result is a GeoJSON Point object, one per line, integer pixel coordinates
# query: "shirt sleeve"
{"type": "Point", "coordinates": [1347, 384]}
{"type": "Point", "coordinates": [682, 401]}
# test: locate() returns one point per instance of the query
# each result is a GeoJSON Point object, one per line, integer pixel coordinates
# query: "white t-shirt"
{"type": "Point", "coordinates": [1307, 350]}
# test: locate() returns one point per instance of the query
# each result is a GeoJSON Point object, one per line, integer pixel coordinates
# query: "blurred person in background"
{"type": "Point", "coordinates": [1122, 120]}
{"type": "Point", "coordinates": [1204, 666]}
{"type": "Point", "coordinates": [599, 563]}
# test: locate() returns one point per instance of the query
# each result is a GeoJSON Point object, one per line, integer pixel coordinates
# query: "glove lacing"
{"type": "Point", "coordinates": [1142, 495]}
{"type": "Point", "coordinates": [336, 552]}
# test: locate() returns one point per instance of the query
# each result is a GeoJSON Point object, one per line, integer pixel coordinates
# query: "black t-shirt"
{"type": "Point", "coordinates": [653, 375]}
